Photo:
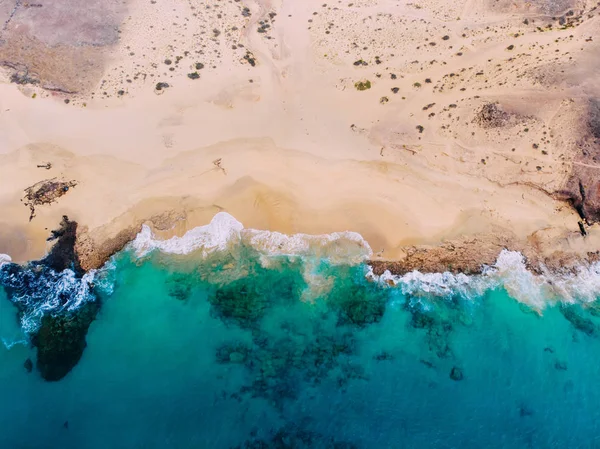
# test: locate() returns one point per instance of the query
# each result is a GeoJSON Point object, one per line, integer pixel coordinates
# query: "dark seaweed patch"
{"type": "Point", "coordinates": [574, 315]}
{"type": "Point", "coordinates": [293, 436]}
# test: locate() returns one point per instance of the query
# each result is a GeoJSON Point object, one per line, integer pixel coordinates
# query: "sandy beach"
{"type": "Point", "coordinates": [415, 125]}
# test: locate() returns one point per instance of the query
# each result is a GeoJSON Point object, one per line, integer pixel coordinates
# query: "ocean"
{"type": "Point", "coordinates": [234, 338]}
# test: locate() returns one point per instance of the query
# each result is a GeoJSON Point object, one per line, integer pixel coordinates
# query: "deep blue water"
{"type": "Point", "coordinates": [221, 354]}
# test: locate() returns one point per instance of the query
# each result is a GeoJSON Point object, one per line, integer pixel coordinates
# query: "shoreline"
{"type": "Point", "coordinates": [557, 254]}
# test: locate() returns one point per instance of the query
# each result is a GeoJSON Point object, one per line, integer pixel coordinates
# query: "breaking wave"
{"type": "Point", "coordinates": [37, 290]}
{"type": "Point", "coordinates": [509, 272]}
{"type": "Point", "coordinates": [225, 233]}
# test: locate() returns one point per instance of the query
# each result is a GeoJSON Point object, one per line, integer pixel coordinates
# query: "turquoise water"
{"type": "Point", "coordinates": [215, 353]}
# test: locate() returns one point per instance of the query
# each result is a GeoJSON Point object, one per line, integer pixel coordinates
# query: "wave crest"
{"type": "Point", "coordinates": [4, 259]}
{"type": "Point", "coordinates": [224, 233]}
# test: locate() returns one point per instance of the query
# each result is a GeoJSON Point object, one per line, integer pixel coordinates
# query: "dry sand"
{"type": "Point", "coordinates": [480, 126]}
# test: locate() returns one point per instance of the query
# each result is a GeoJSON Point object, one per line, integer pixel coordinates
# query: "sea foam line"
{"type": "Point", "coordinates": [224, 233]}
{"type": "Point", "coordinates": [509, 272]}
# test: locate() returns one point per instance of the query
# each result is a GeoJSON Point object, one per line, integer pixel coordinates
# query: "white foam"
{"type": "Point", "coordinates": [8, 344]}
{"type": "Point", "coordinates": [215, 236]}
{"type": "Point", "coordinates": [339, 247]}
{"type": "Point", "coordinates": [224, 232]}
{"type": "Point", "coordinates": [4, 258]}
{"type": "Point", "coordinates": [50, 294]}
{"type": "Point", "coordinates": [509, 272]}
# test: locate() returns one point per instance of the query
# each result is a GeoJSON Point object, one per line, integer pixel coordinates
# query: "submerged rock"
{"type": "Point", "coordinates": [28, 365]}
{"type": "Point", "coordinates": [572, 314]}
{"type": "Point", "coordinates": [456, 374]}
{"type": "Point", "coordinates": [560, 366]}
{"type": "Point", "coordinates": [61, 341]}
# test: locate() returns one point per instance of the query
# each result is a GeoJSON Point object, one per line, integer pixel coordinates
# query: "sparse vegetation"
{"type": "Point", "coordinates": [362, 85]}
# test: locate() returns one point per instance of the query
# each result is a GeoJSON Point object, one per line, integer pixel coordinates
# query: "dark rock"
{"type": "Point", "coordinates": [161, 86]}
{"type": "Point", "coordinates": [491, 116]}
{"type": "Point", "coordinates": [63, 256]}
{"type": "Point", "coordinates": [24, 77]}
{"type": "Point", "coordinates": [582, 230]}
{"type": "Point", "coordinates": [28, 365]}
{"type": "Point", "coordinates": [560, 366]}
{"type": "Point", "coordinates": [456, 374]}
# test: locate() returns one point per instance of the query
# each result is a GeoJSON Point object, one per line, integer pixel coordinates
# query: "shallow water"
{"type": "Point", "coordinates": [233, 352]}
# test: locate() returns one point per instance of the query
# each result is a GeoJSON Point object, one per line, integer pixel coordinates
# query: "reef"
{"type": "Point", "coordinates": [357, 304]}
{"type": "Point", "coordinates": [283, 357]}
{"type": "Point", "coordinates": [61, 341]}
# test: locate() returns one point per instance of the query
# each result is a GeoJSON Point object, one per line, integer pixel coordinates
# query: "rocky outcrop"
{"type": "Point", "coordinates": [582, 188]}
{"type": "Point", "coordinates": [60, 338]}
{"type": "Point", "coordinates": [456, 256]}
{"type": "Point", "coordinates": [491, 115]}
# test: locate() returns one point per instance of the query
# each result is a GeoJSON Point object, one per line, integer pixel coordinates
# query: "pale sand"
{"type": "Point", "coordinates": [302, 149]}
